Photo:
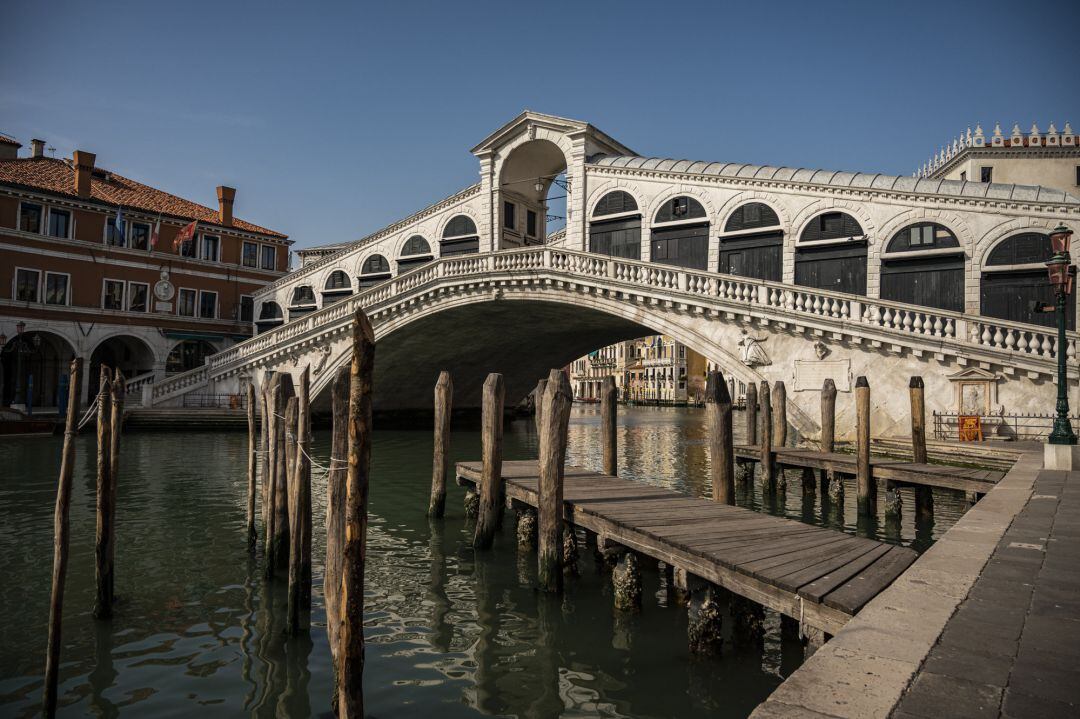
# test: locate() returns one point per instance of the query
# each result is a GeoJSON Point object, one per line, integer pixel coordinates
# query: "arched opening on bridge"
{"type": "Point", "coordinates": [923, 265]}
{"type": "Point", "coordinates": [415, 252]}
{"type": "Point", "coordinates": [129, 354]}
{"type": "Point", "coordinates": [338, 286]}
{"type": "Point", "coordinates": [303, 301]}
{"type": "Point", "coordinates": [831, 254]}
{"type": "Point", "coordinates": [680, 234]}
{"type": "Point", "coordinates": [374, 270]}
{"type": "Point", "coordinates": [527, 179]}
{"type": "Point", "coordinates": [752, 244]}
{"type": "Point", "coordinates": [1014, 277]}
{"type": "Point", "coordinates": [459, 237]}
{"type": "Point", "coordinates": [615, 228]}
{"type": "Point", "coordinates": [188, 355]}
{"type": "Point", "coordinates": [35, 369]}
{"type": "Point", "coordinates": [270, 316]}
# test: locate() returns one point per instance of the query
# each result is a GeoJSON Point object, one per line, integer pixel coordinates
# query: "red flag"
{"type": "Point", "coordinates": [186, 234]}
{"type": "Point", "coordinates": [155, 235]}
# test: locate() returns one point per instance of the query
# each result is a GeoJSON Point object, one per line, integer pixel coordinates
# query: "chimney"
{"type": "Point", "coordinates": [84, 167]}
{"type": "Point", "coordinates": [225, 197]}
{"type": "Point", "coordinates": [37, 148]}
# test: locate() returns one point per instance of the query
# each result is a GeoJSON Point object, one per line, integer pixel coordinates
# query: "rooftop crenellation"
{"type": "Point", "coordinates": [1034, 137]}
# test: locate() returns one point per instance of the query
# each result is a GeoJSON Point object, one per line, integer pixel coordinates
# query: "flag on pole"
{"type": "Point", "coordinates": [186, 234]}
{"type": "Point", "coordinates": [155, 235]}
{"type": "Point", "coordinates": [118, 227]}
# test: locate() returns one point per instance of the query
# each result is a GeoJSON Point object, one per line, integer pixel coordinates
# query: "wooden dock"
{"type": "Point", "coordinates": [819, 576]}
{"type": "Point", "coordinates": [965, 479]}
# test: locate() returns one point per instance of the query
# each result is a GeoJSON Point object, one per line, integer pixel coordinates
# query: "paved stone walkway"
{"type": "Point", "coordinates": [1013, 646]}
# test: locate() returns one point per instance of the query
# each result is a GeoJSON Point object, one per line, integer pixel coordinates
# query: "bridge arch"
{"type": "Point", "coordinates": [488, 336]}
{"type": "Point", "coordinates": [525, 169]}
{"type": "Point", "coordinates": [751, 241]}
{"type": "Point", "coordinates": [336, 285]}
{"type": "Point", "coordinates": [615, 225]}
{"type": "Point", "coordinates": [459, 233]}
{"type": "Point", "coordinates": [679, 228]}
{"type": "Point", "coordinates": [1014, 277]}
{"type": "Point", "coordinates": [374, 268]}
{"type": "Point", "coordinates": [269, 316]}
{"type": "Point", "coordinates": [831, 252]}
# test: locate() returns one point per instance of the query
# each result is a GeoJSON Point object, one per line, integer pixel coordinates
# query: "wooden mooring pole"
{"type": "Point", "coordinates": [300, 512]}
{"type": "Point", "coordinates": [280, 553]}
{"type": "Point", "coordinates": [103, 569]}
{"type": "Point", "coordinates": [721, 444]}
{"type": "Point", "coordinates": [779, 410]}
{"type": "Point", "coordinates": [924, 496]}
{"type": "Point", "coordinates": [444, 395]}
{"type": "Point", "coordinates": [492, 492]}
{"type": "Point", "coordinates": [264, 450]}
{"type": "Point", "coordinates": [751, 414]}
{"type": "Point", "coordinates": [335, 513]}
{"type": "Point", "coordinates": [864, 480]}
{"type": "Point", "coordinates": [271, 395]}
{"type": "Point", "coordinates": [538, 403]}
{"type": "Point", "coordinates": [828, 429]}
{"type": "Point", "coordinates": [558, 398]}
{"type": "Point", "coordinates": [61, 530]}
{"type": "Point", "coordinates": [608, 421]}
{"type": "Point", "coordinates": [252, 465]}
{"type": "Point", "coordinates": [768, 469]}
{"type": "Point", "coordinates": [350, 704]}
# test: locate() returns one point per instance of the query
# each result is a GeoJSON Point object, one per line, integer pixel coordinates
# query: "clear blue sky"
{"type": "Point", "coordinates": [335, 119]}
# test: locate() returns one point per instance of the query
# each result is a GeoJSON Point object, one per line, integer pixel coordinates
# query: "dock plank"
{"type": "Point", "coordinates": [775, 561]}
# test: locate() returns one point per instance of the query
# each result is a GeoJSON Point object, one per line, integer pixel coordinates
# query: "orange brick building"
{"type": "Point", "coordinates": [71, 284]}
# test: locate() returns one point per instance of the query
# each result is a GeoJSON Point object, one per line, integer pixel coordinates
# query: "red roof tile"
{"type": "Point", "coordinates": [56, 176]}
{"type": "Point", "coordinates": [9, 141]}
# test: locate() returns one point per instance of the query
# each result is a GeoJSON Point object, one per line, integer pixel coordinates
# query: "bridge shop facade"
{"type": "Point", "coordinates": [922, 255]}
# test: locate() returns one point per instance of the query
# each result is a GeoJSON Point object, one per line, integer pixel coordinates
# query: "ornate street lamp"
{"type": "Point", "coordinates": [1061, 280]}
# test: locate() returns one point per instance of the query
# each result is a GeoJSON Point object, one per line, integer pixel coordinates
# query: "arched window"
{"type": "Point", "coordinates": [1014, 278]}
{"type": "Point", "coordinates": [415, 245]}
{"type": "Point", "coordinates": [303, 295]}
{"type": "Point", "coordinates": [337, 286]}
{"type": "Point", "coordinates": [613, 230]}
{"type": "Point", "coordinates": [270, 315]}
{"type": "Point", "coordinates": [414, 253]}
{"type": "Point", "coordinates": [753, 243]}
{"type": "Point", "coordinates": [831, 254]}
{"type": "Point", "coordinates": [459, 237]}
{"type": "Point", "coordinates": [920, 277]}
{"type": "Point", "coordinates": [676, 238]}
{"type": "Point", "coordinates": [374, 270]}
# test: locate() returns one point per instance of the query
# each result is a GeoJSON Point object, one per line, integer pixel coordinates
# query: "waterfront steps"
{"type": "Point", "coordinates": [179, 419]}
{"type": "Point", "coordinates": [819, 576]}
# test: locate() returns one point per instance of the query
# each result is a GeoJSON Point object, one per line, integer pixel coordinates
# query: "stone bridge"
{"type": "Point", "coordinates": [521, 312]}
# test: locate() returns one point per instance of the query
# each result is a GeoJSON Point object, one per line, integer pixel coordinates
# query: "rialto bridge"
{"type": "Point", "coordinates": [774, 273]}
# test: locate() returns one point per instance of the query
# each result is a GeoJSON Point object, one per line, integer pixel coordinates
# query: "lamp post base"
{"type": "Point", "coordinates": [1061, 456]}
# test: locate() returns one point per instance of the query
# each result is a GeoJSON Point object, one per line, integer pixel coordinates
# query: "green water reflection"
{"type": "Point", "coordinates": [450, 633]}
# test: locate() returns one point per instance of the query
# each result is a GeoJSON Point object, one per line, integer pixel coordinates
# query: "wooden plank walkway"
{"type": "Point", "coordinates": [817, 575]}
{"type": "Point", "coordinates": [966, 479]}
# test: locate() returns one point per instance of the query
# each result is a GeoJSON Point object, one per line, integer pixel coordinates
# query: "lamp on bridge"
{"type": "Point", "coordinates": [1061, 280]}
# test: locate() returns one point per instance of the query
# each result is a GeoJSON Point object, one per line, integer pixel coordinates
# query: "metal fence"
{"type": "Point", "coordinates": [1002, 426]}
{"type": "Point", "coordinates": [215, 401]}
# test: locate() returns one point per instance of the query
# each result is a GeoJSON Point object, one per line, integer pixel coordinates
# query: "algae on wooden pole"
{"type": "Point", "coordinates": [350, 704]}
{"type": "Point", "coordinates": [61, 538]}
{"type": "Point", "coordinates": [721, 446]}
{"type": "Point", "coordinates": [558, 398]}
{"type": "Point", "coordinates": [444, 396]}
{"type": "Point", "coordinates": [103, 567]}
{"type": "Point", "coordinates": [491, 491]}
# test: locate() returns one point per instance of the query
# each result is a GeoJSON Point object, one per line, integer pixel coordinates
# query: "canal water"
{"type": "Point", "coordinates": [451, 633]}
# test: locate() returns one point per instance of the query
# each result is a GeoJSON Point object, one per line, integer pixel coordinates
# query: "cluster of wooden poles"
{"type": "Point", "coordinates": [767, 429]}
{"type": "Point", "coordinates": [284, 492]}
{"type": "Point", "coordinates": [110, 419]}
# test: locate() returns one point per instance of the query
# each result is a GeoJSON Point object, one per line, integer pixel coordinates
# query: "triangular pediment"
{"type": "Point", "coordinates": [974, 374]}
{"type": "Point", "coordinates": [598, 140]}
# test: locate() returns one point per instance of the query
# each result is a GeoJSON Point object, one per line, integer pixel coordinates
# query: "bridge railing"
{"type": "Point", "coordinates": [883, 316]}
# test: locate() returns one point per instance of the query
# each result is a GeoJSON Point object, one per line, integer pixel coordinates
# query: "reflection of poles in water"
{"type": "Point", "coordinates": [294, 700]}
{"type": "Point", "coordinates": [104, 673]}
{"type": "Point", "coordinates": [548, 701]}
{"type": "Point", "coordinates": [441, 631]}
{"type": "Point", "coordinates": [484, 649]}
{"type": "Point", "coordinates": [924, 529]}
{"type": "Point", "coordinates": [247, 633]}
{"type": "Point", "coordinates": [269, 650]}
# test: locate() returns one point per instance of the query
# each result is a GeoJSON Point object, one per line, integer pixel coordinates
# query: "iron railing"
{"type": "Point", "coordinates": [215, 401]}
{"type": "Point", "coordinates": [1002, 426]}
